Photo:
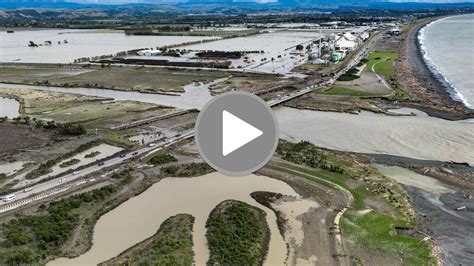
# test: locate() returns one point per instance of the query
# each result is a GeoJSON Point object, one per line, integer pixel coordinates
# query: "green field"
{"type": "Point", "coordinates": [383, 63]}
{"type": "Point", "coordinates": [345, 91]}
{"type": "Point", "coordinates": [374, 232]}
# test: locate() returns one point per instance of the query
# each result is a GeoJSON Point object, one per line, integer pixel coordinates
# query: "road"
{"type": "Point", "coordinates": [64, 180]}
{"type": "Point", "coordinates": [25, 197]}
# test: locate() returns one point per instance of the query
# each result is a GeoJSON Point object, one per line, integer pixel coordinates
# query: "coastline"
{"type": "Point", "coordinates": [434, 93]}
{"type": "Point", "coordinates": [455, 94]}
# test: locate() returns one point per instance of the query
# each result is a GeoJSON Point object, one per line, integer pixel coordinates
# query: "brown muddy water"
{"type": "Point", "coordinates": [419, 137]}
{"type": "Point", "coordinates": [140, 217]}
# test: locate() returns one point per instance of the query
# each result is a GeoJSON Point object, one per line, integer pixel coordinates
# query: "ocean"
{"type": "Point", "coordinates": [448, 48]}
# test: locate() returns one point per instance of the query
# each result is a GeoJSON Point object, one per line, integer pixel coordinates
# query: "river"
{"type": "Point", "coordinates": [140, 217]}
{"type": "Point", "coordinates": [419, 137]}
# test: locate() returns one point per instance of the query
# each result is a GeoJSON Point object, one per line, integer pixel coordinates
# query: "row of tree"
{"type": "Point", "coordinates": [66, 129]}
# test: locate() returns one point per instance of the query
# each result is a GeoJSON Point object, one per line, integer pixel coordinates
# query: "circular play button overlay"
{"type": "Point", "coordinates": [236, 133]}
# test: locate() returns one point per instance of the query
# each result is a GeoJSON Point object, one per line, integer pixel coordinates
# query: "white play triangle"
{"type": "Point", "coordinates": [236, 133]}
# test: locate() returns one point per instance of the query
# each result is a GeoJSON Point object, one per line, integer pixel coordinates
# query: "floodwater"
{"type": "Point", "coordinates": [11, 168]}
{"type": "Point", "coordinates": [419, 137]}
{"type": "Point", "coordinates": [293, 211]}
{"type": "Point", "coordinates": [104, 149]}
{"type": "Point", "coordinates": [140, 217]}
{"type": "Point", "coordinates": [195, 96]}
{"type": "Point", "coordinates": [410, 178]}
{"type": "Point", "coordinates": [9, 107]}
{"type": "Point", "coordinates": [80, 43]}
{"type": "Point", "coordinates": [277, 45]}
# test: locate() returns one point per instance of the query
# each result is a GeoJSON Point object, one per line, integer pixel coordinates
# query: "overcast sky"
{"type": "Point", "coordinates": [314, 1]}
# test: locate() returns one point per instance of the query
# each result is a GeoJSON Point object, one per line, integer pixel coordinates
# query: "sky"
{"type": "Point", "coordinates": [261, 1]}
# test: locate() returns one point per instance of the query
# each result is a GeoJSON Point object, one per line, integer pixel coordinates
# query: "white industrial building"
{"type": "Point", "coordinates": [149, 52]}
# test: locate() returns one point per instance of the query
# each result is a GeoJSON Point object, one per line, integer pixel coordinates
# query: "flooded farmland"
{"type": "Point", "coordinates": [68, 44]}
{"type": "Point", "coordinates": [9, 107]}
{"type": "Point", "coordinates": [195, 95]}
{"type": "Point", "coordinates": [140, 217]}
{"type": "Point", "coordinates": [419, 137]}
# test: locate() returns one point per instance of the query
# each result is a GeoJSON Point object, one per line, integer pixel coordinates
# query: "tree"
{"type": "Point", "coordinates": [299, 47]}
{"type": "Point", "coordinates": [27, 120]}
{"type": "Point", "coordinates": [39, 123]}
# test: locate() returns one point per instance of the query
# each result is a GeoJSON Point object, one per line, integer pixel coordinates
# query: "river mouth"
{"type": "Point", "coordinates": [419, 137]}
{"type": "Point", "coordinates": [138, 218]}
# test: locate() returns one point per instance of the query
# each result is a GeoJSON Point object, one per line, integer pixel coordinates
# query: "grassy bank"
{"type": "Point", "coordinates": [237, 234]}
{"type": "Point", "coordinates": [381, 62]}
{"type": "Point", "coordinates": [380, 205]}
{"type": "Point", "coordinates": [345, 91]}
{"type": "Point", "coordinates": [172, 244]}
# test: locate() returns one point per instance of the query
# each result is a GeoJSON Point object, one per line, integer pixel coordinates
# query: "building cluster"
{"type": "Point", "coordinates": [334, 47]}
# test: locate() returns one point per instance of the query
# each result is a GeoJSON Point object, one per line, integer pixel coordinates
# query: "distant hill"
{"type": "Point", "coordinates": [331, 4]}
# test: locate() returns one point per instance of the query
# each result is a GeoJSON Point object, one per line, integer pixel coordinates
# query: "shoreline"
{"type": "Point", "coordinates": [434, 86]}
{"type": "Point", "coordinates": [455, 94]}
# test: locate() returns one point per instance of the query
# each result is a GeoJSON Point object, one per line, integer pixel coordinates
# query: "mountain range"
{"type": "Point", "coordinates": [275, 3]}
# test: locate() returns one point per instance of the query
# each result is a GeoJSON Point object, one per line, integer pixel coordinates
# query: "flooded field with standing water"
{"type": "Point", "coordinates": [140, 217]}
{"type": "Point", "coordinates": [69, 44]}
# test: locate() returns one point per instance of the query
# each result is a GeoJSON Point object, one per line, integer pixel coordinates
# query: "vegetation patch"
{"type": "Point", "coordinates": [188, 170]}
{"type": "Point", "coordinates": [65, 129]}
{"type": "Point", "coordinates": [376, 232]}
{"type": "Point", "coordinates": [124, 177]}
{"type": "Point", "coordinates": [351, 74]}
{"type": "Point", "coordinates": [306, 153]}
{"type": "Point", "coordinates": [345, 91]}
{"type": "Point", "coordinates": [161, 158]}
{"type": "Point", "coordinates": [381, 63]}
{"type": "Point", "coordinates": [237, 234]}
{"type": "Point", "coordinates": [172, 244]}
{"type": "Point", "coordinates": [92, 154]}
{"type": "Point", "coordinates": [32, 239]}
{"type": "Point", "coordinates": [373, 232]}
{"type": "Point", "coordinates": [69, 163]}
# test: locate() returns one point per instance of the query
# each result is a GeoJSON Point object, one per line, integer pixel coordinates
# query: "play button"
{"type": "Point", "coordinates": [236, 133]}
